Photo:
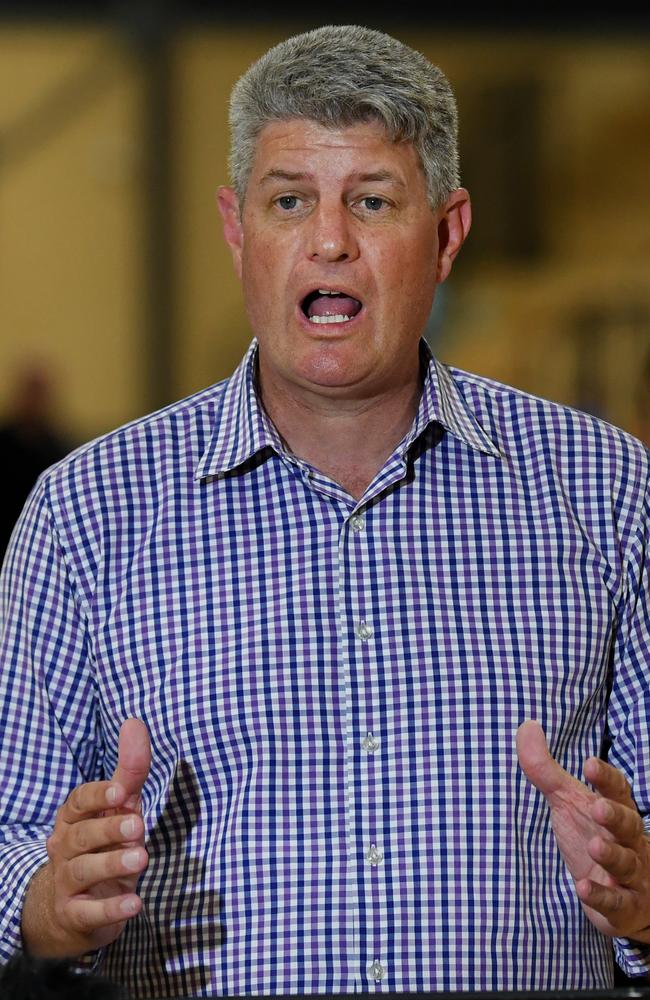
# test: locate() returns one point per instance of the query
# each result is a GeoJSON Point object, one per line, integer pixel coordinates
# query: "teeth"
{"type": "Point", "coordinates": [326, 291]}
{"type": "Point", "coordinates": [329, 319]}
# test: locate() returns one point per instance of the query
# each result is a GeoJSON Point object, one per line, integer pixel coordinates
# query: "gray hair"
{"type": "Point", "coordinates": [341, 75]}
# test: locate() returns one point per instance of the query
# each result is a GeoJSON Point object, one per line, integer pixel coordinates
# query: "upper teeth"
{"type": "Point", "coordinates": [327, 291]}
{"type": "Point", "coordinates": [329, 319]}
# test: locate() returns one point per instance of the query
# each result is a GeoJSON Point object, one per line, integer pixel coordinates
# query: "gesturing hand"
{"type": "Point", "coordinates": [82, 899]}
{"type": "Point", "coordinates": [600, 836]}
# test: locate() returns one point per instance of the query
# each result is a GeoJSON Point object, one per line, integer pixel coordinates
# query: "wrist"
{"type": "Point", "coordinates": [41, 934]}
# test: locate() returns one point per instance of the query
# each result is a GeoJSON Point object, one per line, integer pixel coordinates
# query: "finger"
{"type": "Point", "coordinates": [624, 824]}
{"type": "Point", "coordinates": [536, 761]}
{"type": "Point", "coordinates": [90, 799]}
{"type": "Point", "coordinates": [134, 759]}
{"type": "Point", "coordinates": [621, 863]}
{"type": "Point", "coordinates": [92, 835]}
{"type": "Point", "coordinates": [608, 781]}
{"type": "Point", "coordinates": [615, 903]}
{"type": "Point", "coordinates": [87, 915]}
{"type": "Point", "coordinates": [87, 870]}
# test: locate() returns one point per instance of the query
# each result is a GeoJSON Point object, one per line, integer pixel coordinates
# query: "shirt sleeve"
{"type": "Point", "coordinates": [48, 717]}
{"type": "Point", "coordinates": [629, 710]}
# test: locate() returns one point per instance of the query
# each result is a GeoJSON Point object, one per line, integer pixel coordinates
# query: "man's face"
{"type": "Point", "coordinates": [339, 254]}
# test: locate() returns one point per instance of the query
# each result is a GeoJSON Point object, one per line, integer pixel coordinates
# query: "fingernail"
{"type": "Point", "coordinates": [127, 827]}
{"type": "Point", "coordinates": [131, 859]}
{"type": "Point", "coordinates": [111, 795]}
{"type": "Point", "coordinates": [127, 906]}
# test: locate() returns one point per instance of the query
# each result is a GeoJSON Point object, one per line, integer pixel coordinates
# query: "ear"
{"type": "Point", "coordinates": [233, 232]}
{"type": "Point", "coordinates": [455, 220]}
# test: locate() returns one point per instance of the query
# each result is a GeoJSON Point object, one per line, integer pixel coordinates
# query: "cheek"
{"type": "Point", "coordinates": [258, 274]}
{"type": "Point", "coordinates": [266, 287]}
{"type": "Point", "coordinates": [267, 257]}
{"type": "Point", "coordinates": [408, 275]}
{"type": "Point", "coordinates": [408, 282]}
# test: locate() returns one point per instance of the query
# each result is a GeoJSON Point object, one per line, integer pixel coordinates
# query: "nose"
{"type": "Point", "coordinates": [332, 238]}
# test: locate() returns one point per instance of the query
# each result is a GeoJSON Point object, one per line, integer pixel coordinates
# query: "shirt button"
{"type": "Point", "coordinates": [357, 522]}
{"type": "Point", "coordinates": [364, 631]}
{"type": "Point", "coordinates": [377, 971]}
{"type": "Point", "coordinates": [374, 855]}
{"type": "Point", "coordinates": [370, 743]}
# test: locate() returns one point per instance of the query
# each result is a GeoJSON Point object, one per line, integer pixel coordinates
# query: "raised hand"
{"type": "Point", "coordinates": [82, 899]}
{"type": "Point", "coordinates": [600, 836]}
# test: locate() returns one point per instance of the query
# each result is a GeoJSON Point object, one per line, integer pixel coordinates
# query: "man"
{"type": "Point", "coordinates": [330, 591]}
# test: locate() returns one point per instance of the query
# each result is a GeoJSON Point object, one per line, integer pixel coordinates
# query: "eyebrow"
{"type": "Point", "coordinates": [284, 175]}
{"type": "Point", "coordinates": [374, 176]}
{"type": "Point", "coordinates": [381, 175]}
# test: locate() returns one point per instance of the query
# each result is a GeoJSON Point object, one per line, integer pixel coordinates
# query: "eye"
{"type": "Point", "coordinates": [373, 203]}
{"type": "Point", "coordinates": [287, 202]}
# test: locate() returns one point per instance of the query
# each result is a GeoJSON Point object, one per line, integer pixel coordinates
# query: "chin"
{"type": "Point", "coordinates": [329, 373]}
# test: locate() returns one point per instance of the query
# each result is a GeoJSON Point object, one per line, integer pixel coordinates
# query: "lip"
{"type": "Point", "coordinates": [328, 286]}
{"type": "Point", "coordinates": [324, 330]}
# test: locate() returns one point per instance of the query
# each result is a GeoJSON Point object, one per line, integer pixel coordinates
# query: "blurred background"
{"type": "Point", "coordinates": [116, 289]}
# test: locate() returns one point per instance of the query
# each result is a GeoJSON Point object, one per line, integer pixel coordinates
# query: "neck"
{"type": "Point", "coordinates": [347, 440]}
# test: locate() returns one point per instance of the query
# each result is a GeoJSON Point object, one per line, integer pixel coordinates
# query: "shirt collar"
{"type": "Point", "coordinates": [243, 428]}
{"type": "Point", "coordinates": [442, 402]}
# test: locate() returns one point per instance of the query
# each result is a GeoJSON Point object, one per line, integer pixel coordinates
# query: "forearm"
{"type": "Point", "coordinates": [20, 859]}
{"type": "Point", "coordinates": [41, 935]}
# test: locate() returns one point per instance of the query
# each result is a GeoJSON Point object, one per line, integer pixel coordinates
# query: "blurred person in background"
{"type": "Point", "coordinates": [282, 662]}
{"type": "Point", "coordinates": [30, 441]}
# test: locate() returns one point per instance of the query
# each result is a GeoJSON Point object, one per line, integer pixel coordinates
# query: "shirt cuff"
{"type": "Point", "coordinates": [19, 862]}
{"type": "Point", "coordinates": [632, 957]}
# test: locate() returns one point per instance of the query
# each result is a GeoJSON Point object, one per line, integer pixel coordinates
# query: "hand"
{"type": "Point", "coordinates": [82, 899]}
{"type": "Point", "coordinates": [600, 836]}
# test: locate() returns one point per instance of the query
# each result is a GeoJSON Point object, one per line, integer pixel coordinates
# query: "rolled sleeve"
{"type": "Point", "coordinates": [19, 862]}
{"type": "Point", "coordinates": [629, 714]}
{"type": "Point", "coordinates": [47, 704]}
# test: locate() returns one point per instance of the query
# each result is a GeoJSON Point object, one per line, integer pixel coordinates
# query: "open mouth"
{"type": "Point", "coordinates": [325, 305]}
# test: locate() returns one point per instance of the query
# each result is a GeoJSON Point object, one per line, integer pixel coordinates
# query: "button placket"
{"type": "Point", "coordinates": [372, 855]}
{"type": "Point", "coordinates": [357, 522]}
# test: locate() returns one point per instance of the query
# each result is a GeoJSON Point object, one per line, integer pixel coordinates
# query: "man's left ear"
{"type": "Point", "coordinates": [455, 220]}
{"type": "Point", "coordinates": [233, 232]}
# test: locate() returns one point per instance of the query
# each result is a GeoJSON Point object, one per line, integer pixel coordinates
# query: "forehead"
{"type": "Point", "coordinates": [306, 147]}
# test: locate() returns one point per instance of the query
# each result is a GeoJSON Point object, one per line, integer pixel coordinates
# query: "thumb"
{"type": "Point", "coordinates": [536, 761]}
{"type": "Point", "coordinates": [133, 760]}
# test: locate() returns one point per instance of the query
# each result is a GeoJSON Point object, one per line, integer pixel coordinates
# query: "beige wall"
{"type": "Point", "coordinates": [70, 244]}
{"type": "Point", "coordinates": [71, 221]}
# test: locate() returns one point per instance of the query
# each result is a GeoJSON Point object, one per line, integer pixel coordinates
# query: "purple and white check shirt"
{"type": "Point", "coordinates": [333, 688]}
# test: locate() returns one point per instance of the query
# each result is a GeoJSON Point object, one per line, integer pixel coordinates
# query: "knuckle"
{"type": "Point", "coordinates": [81, 839]}
{"type": "Point", "coordinates": [629, 870]}
{"type": "Point", "coordinates": [638, 830]}
{"type": "Point", "coordinates": [81, 920]}
{"type": "Point", "coordinates": [53, 845]}
{"type": "Point", "coordinates": [77, 800]}
{"type": "Point", "coordinates": [78, 870]}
